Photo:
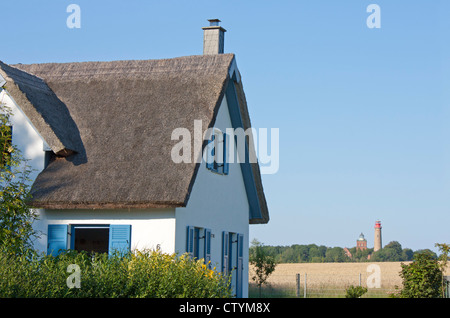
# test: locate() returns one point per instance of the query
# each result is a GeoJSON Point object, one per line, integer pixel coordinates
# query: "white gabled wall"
{"type": "Point", "coordinates": [218, 202]}
{"type": "Point", "coordinates": [25, 137]}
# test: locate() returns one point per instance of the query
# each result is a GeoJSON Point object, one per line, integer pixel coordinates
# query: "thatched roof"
{"type": "Point", "coordinates": [117, 117]}
{"type": "Point", "coordinates": [46, 112]}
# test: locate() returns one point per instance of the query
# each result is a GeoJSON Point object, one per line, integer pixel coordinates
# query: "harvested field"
{"type": "Point", "coordinates": [331, 279]}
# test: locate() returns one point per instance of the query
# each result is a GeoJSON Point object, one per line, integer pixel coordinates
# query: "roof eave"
{"type": "Point", "coordinates": [103, 205]}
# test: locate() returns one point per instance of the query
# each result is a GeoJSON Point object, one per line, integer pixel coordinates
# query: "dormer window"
{"type": "Point", "coordinates": [217, 153]}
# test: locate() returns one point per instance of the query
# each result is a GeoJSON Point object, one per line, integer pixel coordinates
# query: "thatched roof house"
{"type": "Point", "coordinates": [106, 128]}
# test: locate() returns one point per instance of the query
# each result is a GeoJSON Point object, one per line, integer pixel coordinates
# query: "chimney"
{"type": "Point", "coordinates": [213, 38]}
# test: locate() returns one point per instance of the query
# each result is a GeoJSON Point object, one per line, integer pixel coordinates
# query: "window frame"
{"type": "Point", "coordinates": [119, 237]}
{"type": "Point", "coordinates": [74, 227]}
{"type": "Point", "coordinates": [217, 147]}
{"type": "Point", "coordinates": [198, 243]}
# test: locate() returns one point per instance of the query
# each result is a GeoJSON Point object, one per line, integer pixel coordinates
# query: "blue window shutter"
{"type": "Point", "coordinates": [119, 238]}
{"type": "Point", "coordinates": [225, 251]}
{"type": "Point", "coordinates": [210, 154]}
{"type": "Point", "coordinates": [190, 241]}
{"type": "Point", "coordinates": [240, 265]}
{"type": "Point", "coordinates": [56, 238]}
{"type": "Point", "coordinates": [226, 166]}
{"type": "Point", "coordinates": [196, 242]}
{"type": "Point", "coordinates": [207, 247]}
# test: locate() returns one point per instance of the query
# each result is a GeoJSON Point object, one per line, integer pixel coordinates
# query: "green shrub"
{"type": "Point", "coordinates": [422, 278]}
{"type": "Point", "coordinates": [355, 291]}
{"type": "Point", "coordinates": [137, 274]}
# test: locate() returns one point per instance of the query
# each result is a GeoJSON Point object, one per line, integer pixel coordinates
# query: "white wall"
{"type": "Point", "coordinates": [149, 228]}
{"type": "Point", "coordinates": [218, 202]}
{"type": "Point", "coordinates": [25, 136]}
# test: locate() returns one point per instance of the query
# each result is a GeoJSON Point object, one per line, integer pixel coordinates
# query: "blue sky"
{"type": "Point", "coordinates": [362, 113]}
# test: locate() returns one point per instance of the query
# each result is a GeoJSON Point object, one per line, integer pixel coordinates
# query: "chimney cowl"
{"type": "Point", "coordinates": [214, 22]}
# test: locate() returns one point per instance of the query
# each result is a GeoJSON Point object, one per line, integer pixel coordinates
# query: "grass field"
{"type": "Point", "coordinates": [329, 279]}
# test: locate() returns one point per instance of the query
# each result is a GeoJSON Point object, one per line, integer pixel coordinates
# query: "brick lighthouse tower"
{"type": "Point", "coordinates": [377, 242]}
{"type": "Point", "coordinates": [361, 243]}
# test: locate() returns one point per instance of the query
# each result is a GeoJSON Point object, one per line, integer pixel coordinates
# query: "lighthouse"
{"type": "Point", "coordinates": [361, 243]}
{"type": "Point", "coordinates": [377, 241]}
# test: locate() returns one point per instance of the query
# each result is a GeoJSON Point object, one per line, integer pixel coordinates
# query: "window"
{"type": "Point", "coordinates": [90, 238]}
{"type": "Point", "coordinates": [217, 153]}
{"type": "Point", "coordinates": [198, 243]}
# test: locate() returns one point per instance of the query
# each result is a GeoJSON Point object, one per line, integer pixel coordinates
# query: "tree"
{"type": "Point", "coordinates": [360, 255]}
{"type": "Point", "coordinates": [16, 217]}
{"type": "Point", "coordinates": [422, 278]}
{"type": "Point", "coordinates": [335, 254]}
{"type": "Point", "coordinates": [426, 251]}
{"type": "Point", "coordinates": [315, 254]}
{"type": "Point", "coordinates": [443, 259]}
{"type": "Point", "coordinates": [392, 252]}
{"type": "Point", "coordinates": [395, 246]}
{"type": "Point", "coordinates": [263, 263]}
{"type": "Point", "coordinates": [407, 254]}
{"type": "Point", "coordinates": [289, 255]}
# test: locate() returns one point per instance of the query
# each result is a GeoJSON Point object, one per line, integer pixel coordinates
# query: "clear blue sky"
{"type": "Point", "coordinates": [363, 113]}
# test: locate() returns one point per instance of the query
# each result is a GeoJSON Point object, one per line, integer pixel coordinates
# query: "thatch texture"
{"type": "Point", "coordinates": [44, 109]}
{"type": "Point", "coordinates": [124, 114]}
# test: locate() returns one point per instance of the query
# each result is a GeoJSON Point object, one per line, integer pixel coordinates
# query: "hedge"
{"type": "Point", "coordinates": [150, 274]}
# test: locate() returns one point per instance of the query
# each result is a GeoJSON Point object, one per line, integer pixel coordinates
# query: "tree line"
{"type": "Point", "coordinates": [312, 253]}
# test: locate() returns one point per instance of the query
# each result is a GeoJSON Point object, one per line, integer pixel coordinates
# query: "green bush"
{"type": "Point", "coordinates": [355, 291]}
{"type": "Point", "coordinates": [422, 278]}
{"type": "Point", "coordinates": [137, 274]}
